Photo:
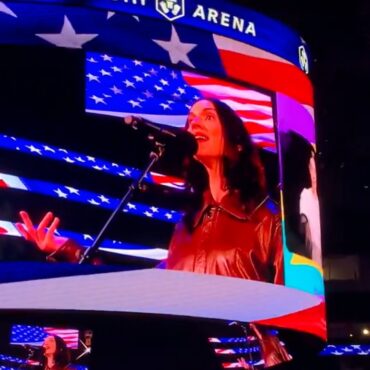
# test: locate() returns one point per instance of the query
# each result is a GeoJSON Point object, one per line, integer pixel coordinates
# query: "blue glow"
{"type": "Point", "coordinates": [346, 350]}
{"type": "Point", "coordinates": [72, 158]}
{"type": "Point", "coordinates": [66, 192]}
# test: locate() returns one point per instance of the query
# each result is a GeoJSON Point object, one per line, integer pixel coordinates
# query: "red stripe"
{"type": "Point", "coordinates": [311, 320]}
{"type": "Point", "coordinates": [198, 82]}
{"type": "Point", "coordinates": [3, 184]}
{"type": "Point", "coordinates": [3, 231]}
{"type": "Point", "coordinates": [253, 114]}
{"type": "Point", "coordinates": [272, 75]}
{"type": "Point", "coordinates": [256, 128]}
{"type": "Point", "coordinates": [160, 179]}
{"type": "Point", "coordinates": [220, 96]}
{"type": "Point", "coordinates": [266, 144]}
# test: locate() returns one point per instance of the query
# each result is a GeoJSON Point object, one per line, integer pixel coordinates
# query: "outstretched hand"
{"type": "Point", "coordinates": [44, 234]}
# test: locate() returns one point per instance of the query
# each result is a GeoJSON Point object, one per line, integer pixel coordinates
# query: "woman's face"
{"type": "Point", "coordinates": [205, 125]}
{"type": "Point", "coordinates": [49, 346]}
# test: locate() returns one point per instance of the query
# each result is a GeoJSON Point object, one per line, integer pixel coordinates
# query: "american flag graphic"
{"type": "Point", "coordinates": [238, 352]}
{"type": "Point", "coordinates": [35, 335]}
{"type": "Point", "coordinates": [120, 87]}
{"type": "Point", "coordinates": [64, 146]}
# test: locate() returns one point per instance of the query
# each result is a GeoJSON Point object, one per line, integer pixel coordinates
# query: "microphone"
{"type": "Point", "coordinates": [176, 140]}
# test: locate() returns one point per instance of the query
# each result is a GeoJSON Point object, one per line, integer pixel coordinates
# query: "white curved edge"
{"type": "Point", "coordinates": [156, 291]}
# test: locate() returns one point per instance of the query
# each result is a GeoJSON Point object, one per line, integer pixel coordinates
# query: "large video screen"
{"type": "Point", "coordinates": [230, 199]}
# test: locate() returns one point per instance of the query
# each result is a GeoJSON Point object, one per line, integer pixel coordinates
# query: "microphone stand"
{"type": "Point", "coordinates": [249, 346]}
{"type": "Point", "coordinates": [31, 353]}
{"type": "Point", "coordinates": [154, 156]}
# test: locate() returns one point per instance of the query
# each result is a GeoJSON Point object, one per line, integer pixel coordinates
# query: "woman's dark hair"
{"type": "Point", "coordinates": [62, 356]}
{"type": "Point", "coordinates": [62, 353]}
{"type": "Point", "coordinates": [243, 169]}
{"type": "Point", "coordinates": [296, 153]}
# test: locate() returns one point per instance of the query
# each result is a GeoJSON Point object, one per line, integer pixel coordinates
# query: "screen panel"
{"type": "Point", "coordinates": [77, 164]}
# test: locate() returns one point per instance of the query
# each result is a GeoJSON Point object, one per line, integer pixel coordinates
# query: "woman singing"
{"type": "Point", "coordinates": [231, 227]}
{"type": "Point", "coordinates": [56, 354]}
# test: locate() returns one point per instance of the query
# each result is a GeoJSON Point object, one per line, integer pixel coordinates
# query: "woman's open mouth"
{"type": "Point", "coordinates": [199, 137]}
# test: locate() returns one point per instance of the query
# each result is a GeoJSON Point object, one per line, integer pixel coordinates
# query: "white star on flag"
{"type": "Point", "coordinates": [110, 15]}
{"type": "Point", "coordinates": [48, 149]}
{"type": "Point", "coordinates": [88, 237]}
{"type": "Point", "coordinates": [67, 38]}
{"type": "Point", "coordinates": [72, 190]}
{"type": "Point", "coordinates": [134, 103]}
{"type": "Point", "coordinates": [34, 149]}
{"type": "Point", "coordinates": [6, 10]}
{"type": "Point", "coordinates": [69, 160]}
{"type": "Point", "coordinates": [91, 159]}
{"type": "Point", "coordinates": [103, 199]}
{"type": "Point", "coordinates": [93, 202]}
{"type": "Point", "coordinates": [116, 69]}
{"type": "Point", "coordinates": [131, 206]}
{"type": "Point", "coordinates": [127, 171]}
{"type": "Point", "coordinates": [97, 168]}
{"type": "Point", "coordinates": [116, 90]}
{"type": "Point", "coordinates": [148, 94]}
{"type": "Point", "coordinates": [106, 57]}
{"type": "Point", "coordinates": [128, 83]}
{"type": "Point", "coordinates": [92, 77]}
{"type": "Point", "coordinates": [114, 165]}
{"type": "Point", "coordinates": [60, 193]}
{"type": "Point", "coordinates": [137, 62]}
{"type": "Point", "coordinates": [105, 73]}
{"type": "Point", "coordinates": [138, 79]}
{"type": "Point", "coordinates": [80, 159]}
{"type": "Point", "coordinates": [63, 150]}
{"type": "Point", "coordinates": [92, 60]}
{"type": "Point", "coordinates": [148, 214]}
{"type": "Point", "coordinates": [165, 106]}
{"type": "Point", "coordinates": [154, 209]}
{"type": "Point", "coordinates": [168, 215]}
{"type": "Point", "coordinates": [178, 51]}
{"type": "Point", "coordinates": [98, 100]}
{"type": "Point", "coordinates": [337, 353]}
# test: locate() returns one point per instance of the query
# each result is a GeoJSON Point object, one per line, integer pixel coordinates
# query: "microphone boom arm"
{"type": "Point", "coordinates": [154, 156]}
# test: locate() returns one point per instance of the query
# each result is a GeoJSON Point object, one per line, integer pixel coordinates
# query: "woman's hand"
{"type": "Point", "coordinates": [44, 235]}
